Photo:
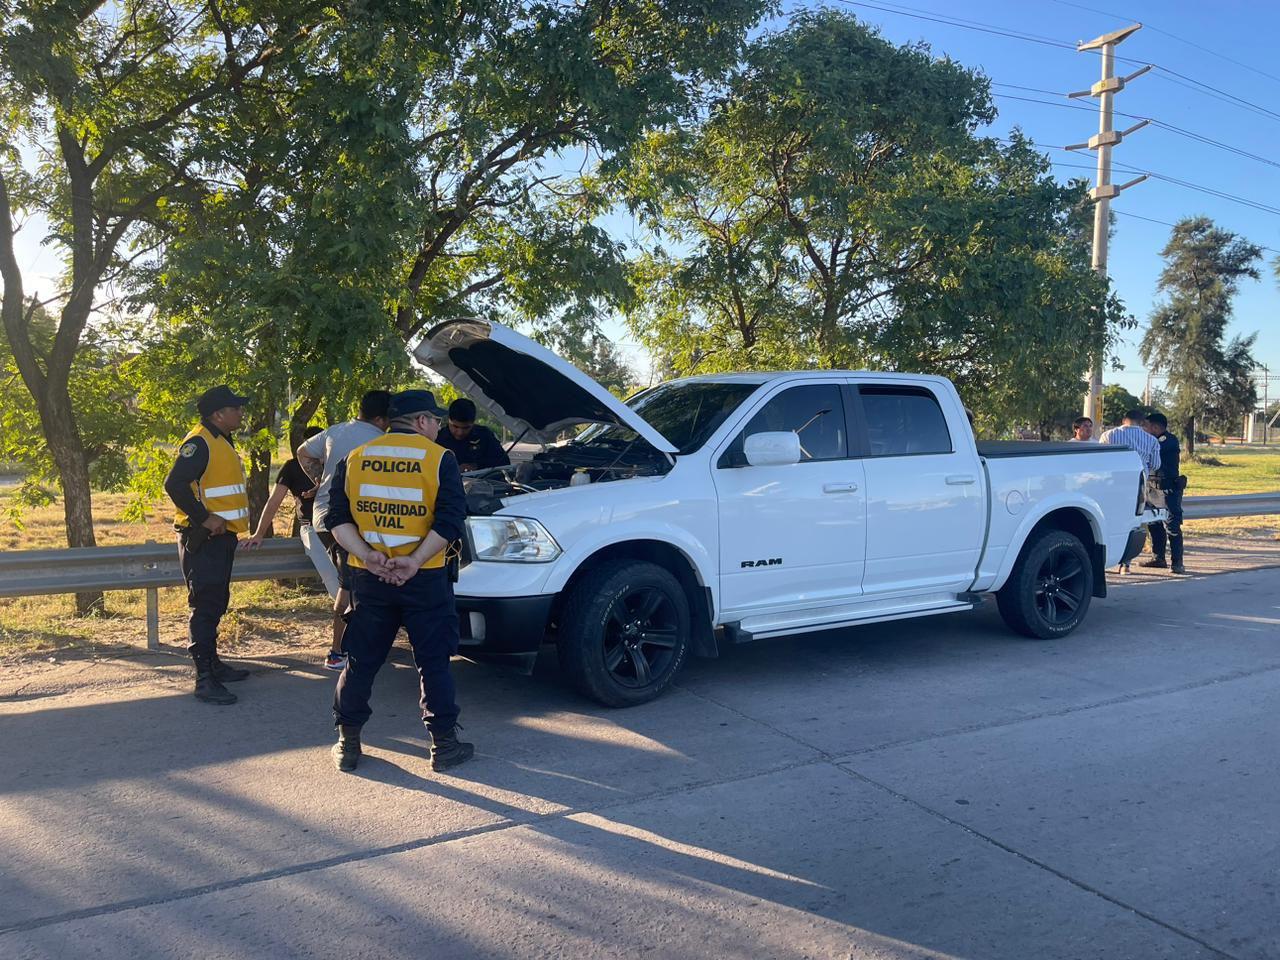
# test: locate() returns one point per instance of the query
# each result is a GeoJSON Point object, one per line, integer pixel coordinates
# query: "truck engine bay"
{"type": "Point", "coordinates": [599, 455]}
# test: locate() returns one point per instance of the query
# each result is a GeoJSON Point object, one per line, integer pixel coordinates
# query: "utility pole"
{"type": "Point", "coordinates": [1266, 404]}
{"type": "Point", "coordinates": [1104, 190]}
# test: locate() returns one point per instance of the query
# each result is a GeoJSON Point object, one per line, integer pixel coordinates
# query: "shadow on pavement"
{"type": "Point", "coordinates": [708, 822]}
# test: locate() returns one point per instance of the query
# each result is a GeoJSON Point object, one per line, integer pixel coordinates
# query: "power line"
{"type": "Point", "coordinates": [1199, 86]}
{"type": "Point", "coordinates": [1231, 148]}
{"type": "Point", "coordinates": [1170, 127]}
{"type": "Point", "coordinates": [977, 25]}
{"type": "Point", "coordinates": [1047, 93]}
{"type": "Point", "coordinates": [1173, 77]}
{"type": "Point", "coordinates": [1172, 36]}
{"type": "Point", "coordinates": [1167, 74]}
{"type": "Point", "coordinates": [1051, 103]}
{"type": "Point", "coordinates": [1189, 185]}
{"type": "Point", "coordinates": [1138, 216]}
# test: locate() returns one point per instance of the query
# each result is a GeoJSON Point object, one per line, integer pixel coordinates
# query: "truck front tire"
{"type": "Point", "coordinates": [624, 632]}
{"type": "Point", "coordinates": [1048, 591]}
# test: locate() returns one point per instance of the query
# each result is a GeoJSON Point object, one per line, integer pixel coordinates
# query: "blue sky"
{"type": "Point", "coordinates": [1243, 31]}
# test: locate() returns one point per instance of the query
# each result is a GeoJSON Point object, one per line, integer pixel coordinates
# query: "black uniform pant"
{"type": "Point", "coordinates": [424, 607]}
{"type": "Point", "coordinates": [207, 571]}
{"type": "Point", "coordinates": [1169, 531]}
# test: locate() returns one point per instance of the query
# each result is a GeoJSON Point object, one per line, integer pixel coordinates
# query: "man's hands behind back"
{"type": "Point", "coordinates": [393, 570]}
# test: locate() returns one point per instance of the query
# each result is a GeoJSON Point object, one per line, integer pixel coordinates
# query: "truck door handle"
{"type": "Point", "coordinates": [961, 479]}
{"type": "Point", "coordinates": [839, 487]}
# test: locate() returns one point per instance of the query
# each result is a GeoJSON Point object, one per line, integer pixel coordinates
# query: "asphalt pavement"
{"type": "Point", "coordinates": [927, 788]}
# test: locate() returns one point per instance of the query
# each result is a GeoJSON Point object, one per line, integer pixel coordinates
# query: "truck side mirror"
{"type": "Point", "coordinates": [772, 448]}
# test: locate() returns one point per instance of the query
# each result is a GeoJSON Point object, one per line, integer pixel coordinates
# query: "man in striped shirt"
{"type": "Point", "coordinates": [1132, 435]}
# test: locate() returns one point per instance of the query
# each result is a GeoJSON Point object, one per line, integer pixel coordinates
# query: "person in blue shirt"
{"type": "Point", "coordinates": [475, 447]}
{"type": "Point", "coordinates": [1172, 483]}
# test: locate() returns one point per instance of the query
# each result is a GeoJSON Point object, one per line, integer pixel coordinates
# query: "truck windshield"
{"type": "Point", "coordinates": [685, 413]}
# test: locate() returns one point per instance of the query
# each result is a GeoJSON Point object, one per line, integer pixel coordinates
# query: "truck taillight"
{"type": "Point", "coordinates": [1142, 493]}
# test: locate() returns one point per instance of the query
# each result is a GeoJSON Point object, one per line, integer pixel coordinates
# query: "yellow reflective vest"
{"type": "Point", "coordinates": [392, 483]}
{"type": "Point", "coordinates": [221, 488]}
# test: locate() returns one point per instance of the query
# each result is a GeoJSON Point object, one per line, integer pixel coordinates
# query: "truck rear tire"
{"type": "Point", "coordinates": [624, 632]}
{"type": "Point", "coordinates": [1048, 591]}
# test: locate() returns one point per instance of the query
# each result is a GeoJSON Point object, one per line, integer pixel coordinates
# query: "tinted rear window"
{"type": "Point", "coordinates": [903, 421]}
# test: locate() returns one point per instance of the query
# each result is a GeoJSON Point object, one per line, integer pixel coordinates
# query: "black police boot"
{"type": "Point", "coordinates": [448, 751]}
{"type": "Point", "coordinates": [346, 752]}
{"type": "Point", "coordinates": [1154, 562]}
{"type": "Point", "coordinates": [1177, 566]}
{"type": "Point", "coordinates": [208, 687]}
{"type": "Point", "coordinates": [225, 673]}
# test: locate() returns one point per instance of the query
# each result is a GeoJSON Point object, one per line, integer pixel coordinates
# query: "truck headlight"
{"type": "Point", "coordinates": [510, 539]}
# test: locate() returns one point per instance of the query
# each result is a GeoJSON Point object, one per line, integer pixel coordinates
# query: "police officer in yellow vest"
{"type": "Point", "coordinates": [207, 486]}
{"type": "Point", "coordinates": [396, 505]}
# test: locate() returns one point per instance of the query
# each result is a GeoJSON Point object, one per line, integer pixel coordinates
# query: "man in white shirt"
{"type": "Point", "coordinates": [320, 455]}
{"type": "Point", "coordinates": [1081, 430]}
{"type": "Point", "coordinates": [1133, 436]}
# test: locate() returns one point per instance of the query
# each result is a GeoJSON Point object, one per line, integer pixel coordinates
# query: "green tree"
{"type": "Point", "coordinates": [102, 397]}
{"type": "Point", "coordinates": [104, 94]}
{"type": "Point", "coordinates": [1208, 376]}
{"type": "Point", "coordinates": [281, 251]}
{"type": "Point", "coordinates": [299, 188]}
{"type": "Point", "coordinates": [411, 166]}
{"type": "Point", "coordinates": [837, 208]}
{"type": "Point", "coordinates": [1116, 401]}
{"type": "Point", "coordinates": [524, 99]}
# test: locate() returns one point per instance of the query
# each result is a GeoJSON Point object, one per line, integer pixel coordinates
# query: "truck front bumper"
{"type": "Point", "coordinates": [503, 624]}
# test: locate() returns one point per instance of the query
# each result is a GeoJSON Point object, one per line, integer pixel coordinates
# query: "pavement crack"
{"type": "Point", "coordinates": [1060, 712]}
{"type": "Point", "coordinates": [1032, 861]}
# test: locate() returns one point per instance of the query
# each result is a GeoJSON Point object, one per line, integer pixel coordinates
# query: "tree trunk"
{"type": "Point", "coordinates": [57, 418]}
{"type": "Point", "coordinates": [302, 414]}
{"type": "Point", "coordinates": [1190, 428]}
{"type": "Point", "coordinates": [259, 483]}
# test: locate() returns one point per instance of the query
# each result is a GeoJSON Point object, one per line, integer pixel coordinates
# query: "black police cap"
{"type": "Point", "coordinates": [218, 397]}
{"type": "Point", "coordinates": [409, 402]}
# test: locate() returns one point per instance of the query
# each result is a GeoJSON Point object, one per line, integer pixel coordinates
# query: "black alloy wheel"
{"type": "Point", "coordinates": [624, 631]}
{"type": "Point", "coordinates": [1060, 586]}
{"type": "Point", "coordinates": [640, 636]}
{"type": "Point", "coordinates": [1050, 586]}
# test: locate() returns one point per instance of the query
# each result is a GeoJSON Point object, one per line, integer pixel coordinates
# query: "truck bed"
{"type": "Point", "coordinates": [1000, 449]}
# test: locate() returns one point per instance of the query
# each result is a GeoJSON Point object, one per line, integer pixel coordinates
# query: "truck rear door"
{"type": "Point", "coordinates": [926, 509]}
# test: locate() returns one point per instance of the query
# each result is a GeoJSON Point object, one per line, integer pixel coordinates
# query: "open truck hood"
{"type": "Point", "coordinates": [525, 386]}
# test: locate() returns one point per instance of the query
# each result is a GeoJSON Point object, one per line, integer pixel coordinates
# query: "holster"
{"type": "Point", "coordinates": [453, 560]}
{"type": "Point", "coordinates": [193, 538]}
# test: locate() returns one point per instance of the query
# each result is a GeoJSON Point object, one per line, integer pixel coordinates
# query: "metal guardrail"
{"type": "Point", "coordinates": [144, 566]}
{"type": "Point", "coordinates": [1237, 505]}
{"type": "Point", "coordinates": [149, 566]}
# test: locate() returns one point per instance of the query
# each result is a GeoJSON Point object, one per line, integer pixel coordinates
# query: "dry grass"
{"type": "Point", "coordinates": [38, 626]}
{"type": "Point", "coordinates": [45, 528]}
{"type": "Point", "coordinates": [262, 613]}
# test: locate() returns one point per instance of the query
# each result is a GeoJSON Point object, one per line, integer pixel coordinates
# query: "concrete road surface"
{"type": "Point", "coordinates": [932, 788]}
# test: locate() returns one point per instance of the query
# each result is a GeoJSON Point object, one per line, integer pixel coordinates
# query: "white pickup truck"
{"type": "Point", "coordinates": [732, 507]}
